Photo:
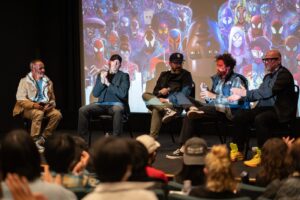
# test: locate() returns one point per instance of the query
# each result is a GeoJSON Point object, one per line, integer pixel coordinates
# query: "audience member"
{"type": "Point", "coordinates": [276, 105]}
{"type": "Point", "coordinates": [288, 188]}
{"type": "Point", "coordinates": [111, 89]}
{"type": "Point", "coordinates": [35, 99]}
{"type": "Point", "coordinates": [112, 159]}
{"type": "Point", "coordinates": [67, 160]}
{"type": "Point", "coordinates": [152, 145]}
{"type": "Point", "coordinates": [193, 162]}
{"type": "Point", "coordinates": [170, 94]}
{"type": "Point", "coordinates": [274, 153]}
{"type": "Point", "coordinates": [19, 188]}
{"type": "Point", "coordinates": [20, 155]}
{"type": "Point", "coordinates": [220, 182]}
{"type": "Point", "coordinates": [139, 155]}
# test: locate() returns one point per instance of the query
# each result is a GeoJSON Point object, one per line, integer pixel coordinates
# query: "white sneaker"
{"type": "Point", "coordinates": [40, 148]}
{"type": "Point", "coordinates": [39, 142]}
{"type": "Point", "coordinates": [194, 113]}
{"type": "Point", "coordinates": [169, 115]}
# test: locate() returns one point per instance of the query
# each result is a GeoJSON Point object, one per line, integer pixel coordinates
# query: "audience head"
{"type": "Point", "coordinates": [219, 176]}
{"type": "Point", "coordinates": [112, 159]}
{"type": "Point", "coordinates": [176, 60]}
{"type": "Point", "coordinates": [295, 156]}
{"type": "Point", "coordinates": [19, 155]}
{"type": "Point", "coordinates": [139, 156]}
{"type": "Point", "coordinates": [195, 150]}
{"type": "Point", "coordinates": [151, 145]}
{"type": "Point", "coordinates": [60, 152]}
{"type": "Point", "coordinates": [274, 152]}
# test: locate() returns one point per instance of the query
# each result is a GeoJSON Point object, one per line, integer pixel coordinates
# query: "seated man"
{"type": "Point", "coordinates": [276, 104]}
{"type": "Point", "coordinates": [111, 89]}
{"type": "Point", "coordinates": [35, 99]}
{"type": "Point", "coordinates": [217, 106]}
{"type": "Point", "coordinates": [170, 92]}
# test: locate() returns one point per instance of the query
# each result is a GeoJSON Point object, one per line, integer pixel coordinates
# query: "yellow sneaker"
{"type": "Point", "coordinates": [235, 155]}
{"type": "Point", "coordinates": [256, 160]}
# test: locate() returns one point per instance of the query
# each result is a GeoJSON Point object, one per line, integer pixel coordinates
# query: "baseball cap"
{"type": "Point", "coordinates": [195, 151]}
{"type": "Point", "coordinates": [176, 57]}
{"type": "Point", "coordinates": [149, 142]}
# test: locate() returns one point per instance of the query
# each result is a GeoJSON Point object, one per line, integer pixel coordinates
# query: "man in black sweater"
{"type": "Point", "coordinates": [170, 94]}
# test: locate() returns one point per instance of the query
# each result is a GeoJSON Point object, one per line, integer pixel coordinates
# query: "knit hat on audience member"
{"type": "Point", "coordinates": [195, 150]}
{"type": "Point", "coordinates": [149, 142]}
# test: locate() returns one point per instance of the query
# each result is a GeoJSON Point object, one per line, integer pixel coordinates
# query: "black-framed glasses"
{"type": "Point", "coordinates": [266, 60]}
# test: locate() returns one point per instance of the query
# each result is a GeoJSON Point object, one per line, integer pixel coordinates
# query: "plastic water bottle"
{"type": "Point", "coordinates": [203, 87]}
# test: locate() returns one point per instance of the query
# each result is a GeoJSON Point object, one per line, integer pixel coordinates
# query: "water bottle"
{"type": "Point", "coordinates": [203, 87]}
{"type": "Point", "coordinates": [187, 186]}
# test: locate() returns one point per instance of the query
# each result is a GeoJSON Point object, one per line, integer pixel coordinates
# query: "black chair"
{"type": "Point", "coordinates": [103, 120]}
{"type": "Point", "coordinates": [282, 129]}
{"type": "Point", "coordinates": [27, 123]}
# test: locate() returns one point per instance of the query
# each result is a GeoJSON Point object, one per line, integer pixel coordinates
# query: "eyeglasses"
{"type": "Point", "coordinates": [266, 60]}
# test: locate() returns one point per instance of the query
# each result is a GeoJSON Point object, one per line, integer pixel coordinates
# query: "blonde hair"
{"type": "Point", "coordinates": [219, 177]}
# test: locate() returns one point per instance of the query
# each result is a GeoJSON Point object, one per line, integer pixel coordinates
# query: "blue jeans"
{"type": "Point", "coordinates": [88, 111]}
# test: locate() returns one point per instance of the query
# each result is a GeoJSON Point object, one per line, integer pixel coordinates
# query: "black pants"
{"type": "Point", "coordinates": [264, 120]}
{"type": "Point", "coordinates": [189, 126]}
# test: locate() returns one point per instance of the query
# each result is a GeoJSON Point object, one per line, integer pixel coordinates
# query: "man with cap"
{"type": "Point", "coordinates": [277, 103]}
{"type": "Point", "coordinates": [170, 94]}
{"type": "Point", "coordinates": [152, 145]}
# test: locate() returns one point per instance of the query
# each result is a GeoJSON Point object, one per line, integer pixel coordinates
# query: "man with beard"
{"type": "Point", "coordinates": [36, 100]}
{"type": "Point", "coordinates": [111, 89]}
{"type": "Point", "coordinates": [216, 106]}
{"type": "Point", "coordinates": [170, 94]}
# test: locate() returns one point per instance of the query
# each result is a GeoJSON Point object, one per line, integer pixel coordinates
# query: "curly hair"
{"type": "Point", "coordinates": [219, 177]}
{"type": "Point", "coordinates": [295, 155]}
{"type": "Point", "coordinates": [274, 152]}
{"type": "Point", "coordinates": [228, 60]}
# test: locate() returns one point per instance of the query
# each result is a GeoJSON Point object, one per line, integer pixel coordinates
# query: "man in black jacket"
{"type": "Point", "coordinates": [276, 104]}
{"type": "Point", "coordinates": [170, 94]}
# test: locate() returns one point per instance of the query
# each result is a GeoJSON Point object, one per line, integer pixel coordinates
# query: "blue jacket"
{"type": "Point", "coordinates": [222, 91]}
{"type": "Point", "coordinates": [117, 91]}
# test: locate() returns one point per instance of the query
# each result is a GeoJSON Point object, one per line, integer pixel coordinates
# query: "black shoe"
{"type": "Point", "coordinates": [177, 154]}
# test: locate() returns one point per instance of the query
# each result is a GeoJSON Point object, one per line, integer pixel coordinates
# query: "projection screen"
{"type": "Point", "coordinates": [146, 32]}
